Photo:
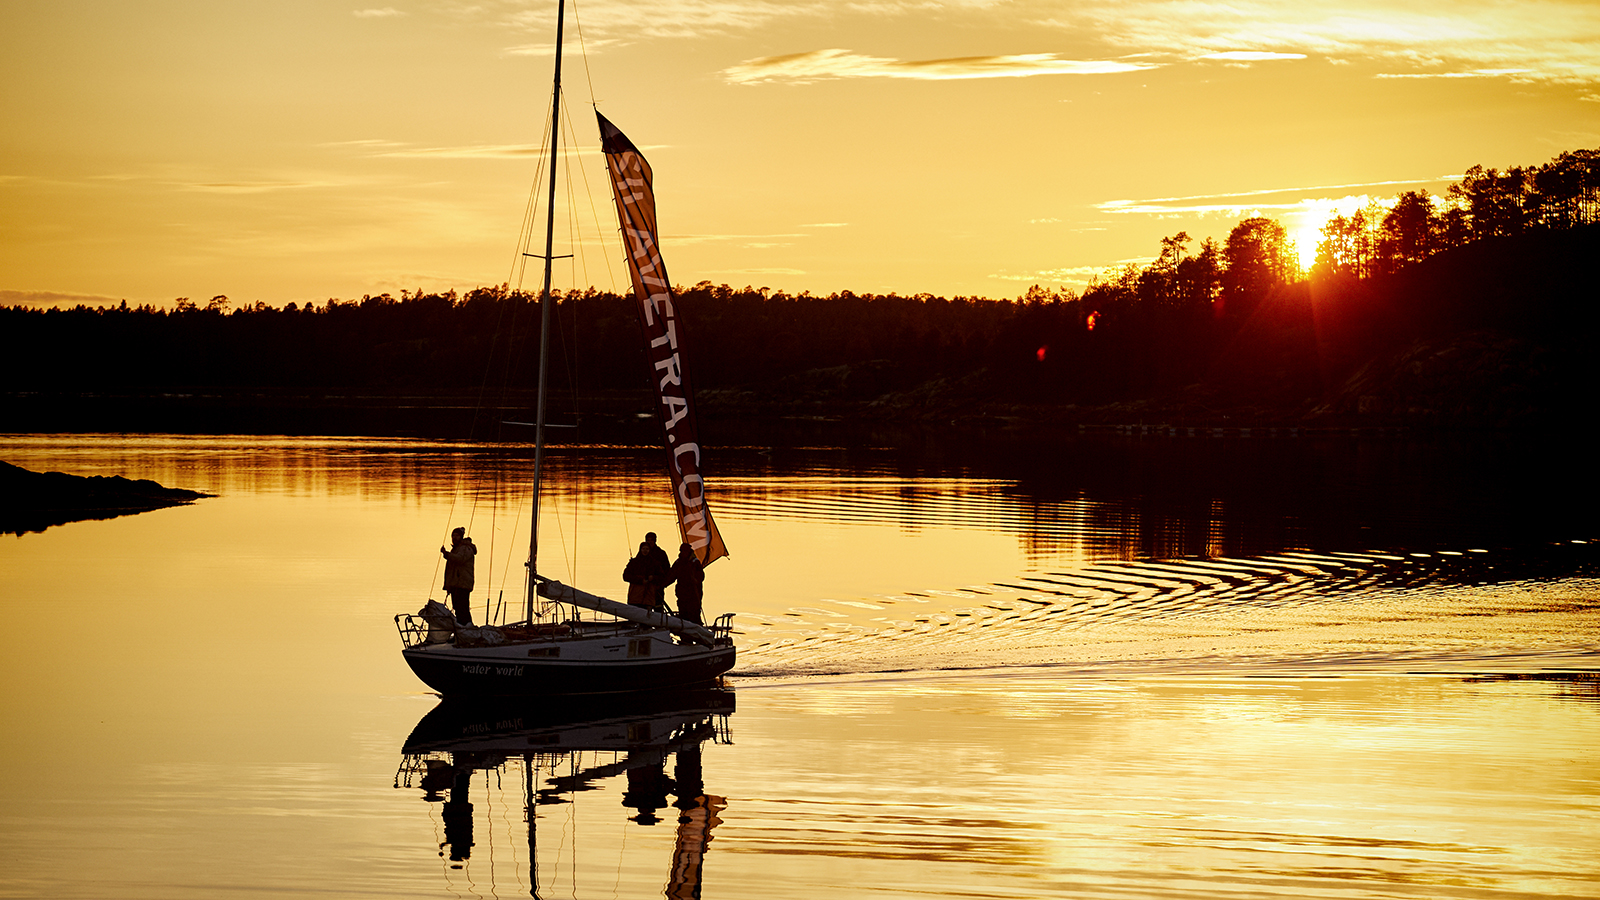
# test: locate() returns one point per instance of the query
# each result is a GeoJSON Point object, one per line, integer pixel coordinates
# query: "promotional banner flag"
{"type": "Point", "coordinates": [663, 336]}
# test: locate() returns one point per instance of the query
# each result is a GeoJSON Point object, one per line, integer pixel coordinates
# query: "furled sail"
{"type": "Point", "coordinates": [636, 211]}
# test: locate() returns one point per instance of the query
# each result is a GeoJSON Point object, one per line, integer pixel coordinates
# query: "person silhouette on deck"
{"type": "Point", "coordinates": [664, 564]}
{"type": "Point", "coordinates": [689, 578]}
{"type": "Point", "coordinates": [458, 574]}
{"type": "Point", "coordinates": [646, 575]}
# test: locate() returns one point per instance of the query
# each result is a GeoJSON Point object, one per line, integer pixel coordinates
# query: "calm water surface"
{"type": "Point", "coordinates": [1102, 668]}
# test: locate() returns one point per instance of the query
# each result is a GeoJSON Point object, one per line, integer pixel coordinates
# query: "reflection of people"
{"type": "Point", "coordinates": [648, 786]}
{"type": "Point", "coordinates": [645, 575]}
{"type": "Point", "coordinates": [690, 781]}
{"type": "Point", "coordinates": [689, 578]}
{"type": "Point", "coordinates": [457, 815]}
{"type": "Point", "coordinates": [458, 573]}
{"type": "Point", "coordinates": [663, 563]}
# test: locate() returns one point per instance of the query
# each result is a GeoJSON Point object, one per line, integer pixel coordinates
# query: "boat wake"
{"type": "Point", "coordinates": [1469, 610]}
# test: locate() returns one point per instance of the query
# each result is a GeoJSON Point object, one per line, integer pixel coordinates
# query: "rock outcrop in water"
{"type": "Point", "coordinates": [35, 501]}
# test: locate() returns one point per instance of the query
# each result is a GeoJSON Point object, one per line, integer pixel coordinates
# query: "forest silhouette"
{"type": "Point", "coordinates": [1472, 309]}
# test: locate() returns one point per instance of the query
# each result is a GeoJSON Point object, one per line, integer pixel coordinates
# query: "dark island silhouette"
{"type": "Point", "coordinates": [1471, 311]}
{"type": "Point", "coordinates": [38, 500]}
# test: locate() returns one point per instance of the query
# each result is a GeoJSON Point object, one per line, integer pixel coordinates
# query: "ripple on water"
{"type": "Point", "coordinates": [1297, 609]}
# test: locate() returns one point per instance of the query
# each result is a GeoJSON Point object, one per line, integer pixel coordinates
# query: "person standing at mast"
{"type": "Point", "coordinates": [458, 573]}
{"type": "Point", "coordinates": [689, 576]}
{"type": "Point", "coordinates": [662, 563]}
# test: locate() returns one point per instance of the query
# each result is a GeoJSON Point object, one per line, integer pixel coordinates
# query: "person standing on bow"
{"type": "Point", "coordinates": [458, 574]}
{"type": "Point", "coordinates": [646, 575]}
{"type": "Point", "coordinates": [689, 578]}
{"type": "Point", "coordinates": [663, 564]}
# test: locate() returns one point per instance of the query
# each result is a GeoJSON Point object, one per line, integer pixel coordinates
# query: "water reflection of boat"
{"type": "Point", "coordinates": [629, 735]}
{"type": "Point", "coordinates": [552, 650]}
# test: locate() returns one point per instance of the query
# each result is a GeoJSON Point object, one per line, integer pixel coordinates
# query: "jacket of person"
{"type": "Point", "coordinates": [458, 566]}
{"type": "Point", "coordinates": [644, 574]}
{"type": "Point", "coordinates": [688, 577]}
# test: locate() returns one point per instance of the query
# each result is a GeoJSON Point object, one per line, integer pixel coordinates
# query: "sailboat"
{"type": "Point", "coordinates": [634, 648]}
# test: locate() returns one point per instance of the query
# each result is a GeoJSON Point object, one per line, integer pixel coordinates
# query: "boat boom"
{"type": "Point", "coordinates": [562, 593]}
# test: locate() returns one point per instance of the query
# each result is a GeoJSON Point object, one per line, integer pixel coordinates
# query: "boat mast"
{"type": "Point", "coordinates": [544, 317]}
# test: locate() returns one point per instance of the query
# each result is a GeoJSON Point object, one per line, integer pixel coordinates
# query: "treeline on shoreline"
{"type": "Point", "coordinates": [1229, 326]}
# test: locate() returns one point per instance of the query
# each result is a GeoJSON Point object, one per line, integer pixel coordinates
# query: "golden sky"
{"type": "Point", "coordinates": [295, 151]}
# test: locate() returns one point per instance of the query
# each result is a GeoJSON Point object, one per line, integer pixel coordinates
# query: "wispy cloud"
{"type": "Point", "coordinates": [625, 20]}
{"type": "Point", "coordinates": [746, 240]}
{"type": "Point", "coordinates": [365, 142]}
{"type": "Point", "coordinates": [47, 299]}
{"type": "Point", "coordinates": [770, 271]}
{"type": "Point", "coordinates": [1534, 40]}
{"type": "Point", "coordinates": [827, 225]}
{"type": "Point", "coordinates": [384, 13]}
{"type": "Point", "coordinates": [1251, 55]}
{"type": "Point", "coordinates": [1067, 275]}
{"type": "Point", "coordinates": [1076, 275]}
{"type": "Point", "coordinates": [393, 150]}
{"type": "Point", "coordinates": [1253, 199]}
{"type": "Point", "coordinates": [471, 151]}
{"type": "Point", "coordinates": [817, 65]}
{"type": "Point", "coordinates": [547, 48]}
{"type": "Point", "coordinates": [1543, 40]}
{"type": "Point", "coordinates": [254, 187]}
{"type": "Point", "coordinates": [1479, 73]}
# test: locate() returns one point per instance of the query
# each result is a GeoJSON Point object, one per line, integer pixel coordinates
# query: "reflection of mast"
{"type": "Point", "coordinates": [529, 811]}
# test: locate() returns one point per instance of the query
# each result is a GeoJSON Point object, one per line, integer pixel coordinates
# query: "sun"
{"type": "Point", "coordinates": [1305, 224]}
{"type": "Point", "coordinates": [1305, 239]}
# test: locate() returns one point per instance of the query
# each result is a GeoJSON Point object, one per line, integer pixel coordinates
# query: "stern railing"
{"type": "Point", "coordinates": [413, 630]}
{"type": "Point", "coordinates": [722, 630]}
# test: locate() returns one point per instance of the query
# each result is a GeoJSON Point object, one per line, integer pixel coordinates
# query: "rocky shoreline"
{"type": "Point", "coordinates": [38, 500]}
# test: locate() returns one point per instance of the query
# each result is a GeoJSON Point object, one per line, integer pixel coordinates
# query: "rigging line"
{"type": "Point", "coordinates": [574, 867]}
{"type": "Point", "coordinates": [569, 352]}
{"type": "Point", "coordinates": [573, 156]}
{"type": "Point", "coordinates": [488, 802]}
{"type": "Point", "coordinates": [600, 231]}
{"type": "Point", "coordinates": [588, 74]}
{"type": "Point", "coordinates": [583, 50]}
{"type": "Point", "coordinates": [437, 820]}
{"type": "Point", "coordinates": [519, 268]}
{"type": "Point", "coordinates": [561, 535]}
{"type": "Point", "coordinates": [511, 543]}
{"type": "Point", "coordinates": [455, 500]}
{"type": "Point", "coordinates": [531, 210]}
{"type": "Point", "coordinates": [494, 516]}
{"type": "Point", "coordinates": [594, 214]}
{"type": "Point", "coordinates": [579, 263]}
{"type": "Point", "coordinates": [627, 540]}
{"type": "Point", "coordinates": [622, 849]}
{"type": "Point", "coordinates": [505, 301]}
{"type": "Point", "coordinates": [606, 255]}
